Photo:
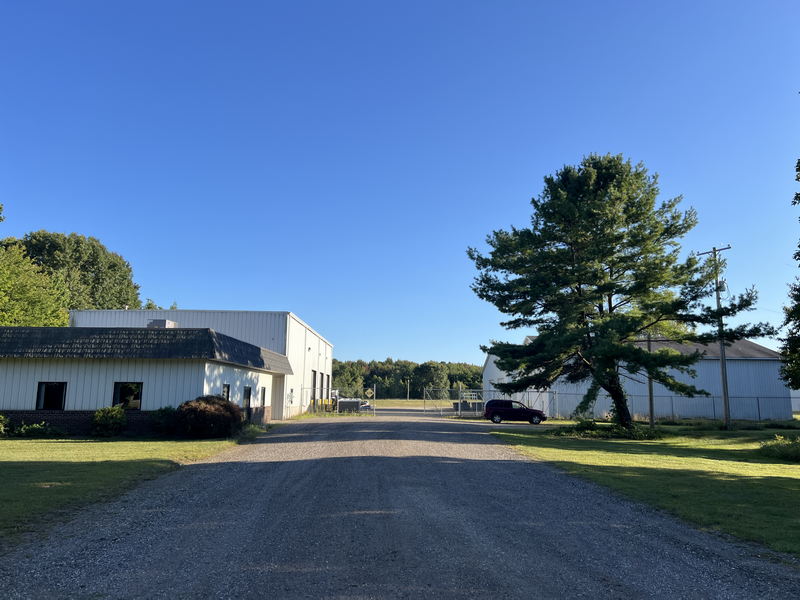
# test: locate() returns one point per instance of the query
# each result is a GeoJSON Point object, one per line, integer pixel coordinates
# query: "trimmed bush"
{"type": "Point", "coordinates": [164, 420]}
{"type": "Point", "coordinates": [781, 448]}
{"type": "Point", "coordinates": [109, 421]}
{"type": "Point", "coordinates": [208, 417]}
{"type": "Point", "coordinates": [5, 426]}
{"type": "Point", "coordinates": [37, 430]}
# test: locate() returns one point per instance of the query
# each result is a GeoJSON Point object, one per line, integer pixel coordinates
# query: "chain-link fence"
{"type": "Point", "coordinates": [313, 400]}
{"type": "Point", "coordinates": [556, 405]}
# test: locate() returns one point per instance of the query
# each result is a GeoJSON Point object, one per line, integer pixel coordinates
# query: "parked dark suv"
{"type": "Point", "coordinates": [509, 410]}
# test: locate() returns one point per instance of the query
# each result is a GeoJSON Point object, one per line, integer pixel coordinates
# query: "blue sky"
{"type": "Point", "coordinates": [336, 159]}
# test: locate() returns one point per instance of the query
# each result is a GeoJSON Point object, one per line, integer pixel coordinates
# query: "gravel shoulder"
{"type": "Point", "coordinates": [385, 507]}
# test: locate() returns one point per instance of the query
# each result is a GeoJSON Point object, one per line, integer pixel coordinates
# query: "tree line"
{"type": "Point", "coordinates": [397, 378]}
{"type": "Point", "coordinates": [45, 274]}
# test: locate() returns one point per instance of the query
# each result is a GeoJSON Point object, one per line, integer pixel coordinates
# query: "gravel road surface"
{"type": "Point", "coordinates": [386, 507]}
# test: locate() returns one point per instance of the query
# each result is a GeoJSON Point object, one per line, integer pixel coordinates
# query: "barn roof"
{"type": "Point", "coordinates": [137, 343]}
{"type": "Point", "coordinates": [739, 349]}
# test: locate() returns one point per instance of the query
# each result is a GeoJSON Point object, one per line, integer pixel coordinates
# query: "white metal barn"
{"type": "Point", "coordinates": [755, 389]}
{"type": "Point", "coordinates": [310, 355]}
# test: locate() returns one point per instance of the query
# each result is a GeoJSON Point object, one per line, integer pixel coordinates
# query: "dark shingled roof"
{"type": "Point", "coordinates": [137, 342]}
{"type": "Point", "coordinates": [740, 349]}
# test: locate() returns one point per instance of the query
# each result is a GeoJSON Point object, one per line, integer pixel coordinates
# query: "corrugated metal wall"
{"type": "Point", "coordinates": [307, 351]}
{"type": "Point", "coordinates": [217, 374]}
{"type": "Point", "coordinates": [755, 390]}
{"type": "Point", "coordinates": [262, 328]}
{"type": "Point", "coordinates": [90, 383]}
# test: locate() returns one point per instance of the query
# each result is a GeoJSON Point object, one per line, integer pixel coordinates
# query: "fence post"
{"type": "Point", "coordinates": [758, 407]}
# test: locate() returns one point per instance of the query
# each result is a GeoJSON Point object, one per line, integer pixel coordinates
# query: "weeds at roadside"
{"type": "Point", "coordinates": [250, 432]}
{"type": "Point", "coordinates": [781, 448]}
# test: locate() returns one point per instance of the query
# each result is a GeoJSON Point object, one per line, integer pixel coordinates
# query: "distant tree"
{"type": "Point", "coordinates": [432, 375]}
{"type": "Point", "coordinates": [468, 376]}
{"type": "Point", "coordinates": [348, 377]}
{"type": "Point", "coordinates": [150, 304]}
{"type": "Point", "coordinates": [597, 269]}
{"type": "Point", "coordinates": [790, 347]}
{"type": "Point", "coordinates": [28, 296]}
{"type": "Point", "coordinates": [92, 276]}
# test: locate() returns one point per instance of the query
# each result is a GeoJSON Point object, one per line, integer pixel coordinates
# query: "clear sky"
{"type": "Point", "coordinates": [336, 159]}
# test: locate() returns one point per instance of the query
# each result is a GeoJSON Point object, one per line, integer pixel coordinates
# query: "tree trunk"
{"type": "Point", "coordinates": [621, 411]}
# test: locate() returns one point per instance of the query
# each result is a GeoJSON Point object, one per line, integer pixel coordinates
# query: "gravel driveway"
{"type": "Point", "coordinates": [394, 507]}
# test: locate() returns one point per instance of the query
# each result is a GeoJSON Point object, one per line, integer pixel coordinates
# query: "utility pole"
{"type": "Point", "coordinates": [408, 389]}
{"type": "Point", "coordinates": [726, 408]}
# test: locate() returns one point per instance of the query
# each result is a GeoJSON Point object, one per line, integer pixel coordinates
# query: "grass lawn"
{"type": "Point", "coordinates": [332, 415]}
{"type": "Point", "coordinates": [39, 478]}
{"type": "Point", "coordinates": [399, 403]}
{"type": "Point", "coordinates": [714, 479]}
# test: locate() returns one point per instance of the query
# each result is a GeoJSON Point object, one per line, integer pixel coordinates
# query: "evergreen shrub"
{"type": "Point", "coordinates": [208, 417]}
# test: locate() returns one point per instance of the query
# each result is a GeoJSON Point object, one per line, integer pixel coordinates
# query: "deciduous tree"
{"type": "Point", "coordinates": [28, 297]}
{"type": "Point", "coordinates": [92, 276]}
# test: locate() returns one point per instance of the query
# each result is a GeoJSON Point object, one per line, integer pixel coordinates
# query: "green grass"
{"type": "Point", "coordinates": [399, 403]}
{"type": "Point", "coordinates": [42, 478]}
{"type": "Point", "coordinates": [715, 479]}
{"type": "Point", "coordinates": [331, 415]}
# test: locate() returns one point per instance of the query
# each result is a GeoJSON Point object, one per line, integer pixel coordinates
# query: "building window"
{"type": "Point", "coordinates": [128, 394]}
{"type": "Point", "coordinates": [263, 396]}
{"type": "Point", "coordinates": [248, 392]}
{"type": "Point", "coordinates": [313, 385]}
{"type": "Point", "coordinates": [50, 395]}
{"type": "Point", "coordinates": [226, 391]}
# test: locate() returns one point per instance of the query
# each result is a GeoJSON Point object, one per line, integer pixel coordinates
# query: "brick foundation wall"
{"type": "Point", "coordinates": [79, 422]}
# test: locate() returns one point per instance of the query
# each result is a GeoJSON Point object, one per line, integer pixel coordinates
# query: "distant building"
{"type": "Point", "coordinates": [755, 389]}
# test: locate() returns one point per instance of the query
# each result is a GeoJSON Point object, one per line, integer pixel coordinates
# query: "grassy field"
{"type": "Point", "coordinates": [714, 479]}
{"type": "Point", "coordinates": [398, 403]}
{"type": "Point", "coordinates": [40, 478]}
{"type": "Point", "coordinates": [331, 415]}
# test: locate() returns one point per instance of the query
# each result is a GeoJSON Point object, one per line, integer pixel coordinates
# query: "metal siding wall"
{"type": "Point", "coordinates": [319, 358]}
{"type": "Point", "coordinates": [754, 386]}
{"type": "Point", "coordinates": [90, 383]}
{"type": "Point", "coordinates": [217, 374]}
{"type": "Point", "coordinates": [262, 328]}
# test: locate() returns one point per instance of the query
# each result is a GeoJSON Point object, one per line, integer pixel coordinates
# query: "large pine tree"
{"type": "Point", "coordinates": [597, 269]}
{"type": "Point", "coordinates": [791, 342]}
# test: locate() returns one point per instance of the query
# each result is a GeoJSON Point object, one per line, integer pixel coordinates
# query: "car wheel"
{"type": "Point", "coordinates": [496, 419]}
{"type": "Point", "coordinates": [535, 420]}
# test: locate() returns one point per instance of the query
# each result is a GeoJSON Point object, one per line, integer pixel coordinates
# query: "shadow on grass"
{"type": "Point", "coordinates": [660, 447]}
{"type": "Point", "coordinates": [759, 509]}
{"type": "Point", "coordinates": [40, 490]}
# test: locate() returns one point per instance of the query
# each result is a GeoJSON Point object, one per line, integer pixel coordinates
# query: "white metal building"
{"type": "Point", "coordinates": [755, 389]}
{"type": "Point", "coordinates": [63, 371]}
{"type": "Point", "coordinates": [309, 354]}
